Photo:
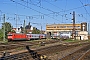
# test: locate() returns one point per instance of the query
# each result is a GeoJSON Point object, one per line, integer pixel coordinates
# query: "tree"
{"type": "Point", "coordinates": [35, 31]}
{"type": "Point", "coordinates": [1, 34]}
{"type": "Point", "coordinates": [8, 27]}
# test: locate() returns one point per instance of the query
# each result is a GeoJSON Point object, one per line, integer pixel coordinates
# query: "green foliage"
{"type": "Point", "coordinates": [8, 27]}
{"type": "Point", "coordinates": [1, 34]}
{"type": "Point", "coordinates": [35, 31]}
{"type": "Point", "coordinates": [13, 31]}
{"type": "Point", "coordinates": [70, 40]}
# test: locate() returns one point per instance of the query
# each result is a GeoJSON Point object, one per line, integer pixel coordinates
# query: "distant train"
{"type": "Point", "coordinates": [61, 36]}
{"type": "Point", "coordinates": [65, 35]}
{"type": "Point", "coordinates": [22, 36]}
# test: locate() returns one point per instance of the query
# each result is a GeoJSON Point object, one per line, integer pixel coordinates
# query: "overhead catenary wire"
{"type": "Point", "coordinates": [65, 9]}
{"type": "Point", "coordinates": [34, 10]}
{"type": "Point", "coordinates": [41, 15]}
{"type": "Point", "coordinates": [62, 9]}
{"type": "Point", "coordinates": [84, 7]}
{"type": "Point", "coordinates": [39, 1]}
{"type": "Point", "coordinates": [57, 12]}
{"type": "Point", "coordinates": [53, 4]}
{"type": "Point", "coordinates": [40, 7]}
{"type": "Point", "coordinates": [30, 17]}
{"type": "Point", "coordinates": [49, 10]}
{"type": "Point", "coordinates": [70, 10]}
{"type": "Point", "coordinates": [51, 13]}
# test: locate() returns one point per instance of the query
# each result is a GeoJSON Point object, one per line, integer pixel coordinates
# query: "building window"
{"type": "Point", "coordinates": [57, 26]}
{"type": "Point", "coordinates": [64, 26]}
{"type": "Point", "coordinates": [54, 26]}
{"type": "Point", "coordinates": [49, 27]}
{"type": "Point", "coordinates": [78, 26]}
{"type": "Point", "coordinates": [61, 26]}
{"type": "Point", "coordinates": [69, 27]}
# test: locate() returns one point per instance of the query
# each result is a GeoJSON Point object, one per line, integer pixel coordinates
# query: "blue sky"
{"type": "Point", "coordinates": [42, 12]}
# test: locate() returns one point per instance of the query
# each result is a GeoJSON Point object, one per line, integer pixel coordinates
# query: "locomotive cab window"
{"type": "Point", "coordinates": [9, 34]}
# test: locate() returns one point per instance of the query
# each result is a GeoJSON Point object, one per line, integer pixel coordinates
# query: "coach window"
{"type": "Point", "coordinates": [9, 34]}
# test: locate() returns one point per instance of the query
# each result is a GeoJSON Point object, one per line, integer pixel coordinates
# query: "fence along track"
{"type": "Point", "coordinates": [77, 55]}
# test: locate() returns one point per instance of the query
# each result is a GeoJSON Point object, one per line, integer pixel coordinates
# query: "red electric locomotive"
{"type": "Point", "coordinates": [17, 36]}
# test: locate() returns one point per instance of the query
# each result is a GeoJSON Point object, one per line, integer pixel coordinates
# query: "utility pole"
{"type": "Point", "coordinates": [41, 29]}
{"type": "Point", "coordinates": [4, 27]}
{"type": "Point", "coordinates": [74, 32]}
{"type": "Point", "coordinates": [16, 21]}
{"type": "Point", "coordinates": [24, 26]}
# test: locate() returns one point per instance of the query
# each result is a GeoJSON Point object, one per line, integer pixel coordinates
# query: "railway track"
{"type": "Point", "coordinates": [79, 54]}
{"type": "Point", "coordinates": [85, 56]}
{"type": "Point", "coordinates": [16, 44]}
{"type": "Point", "coordinates": [43, 51]}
